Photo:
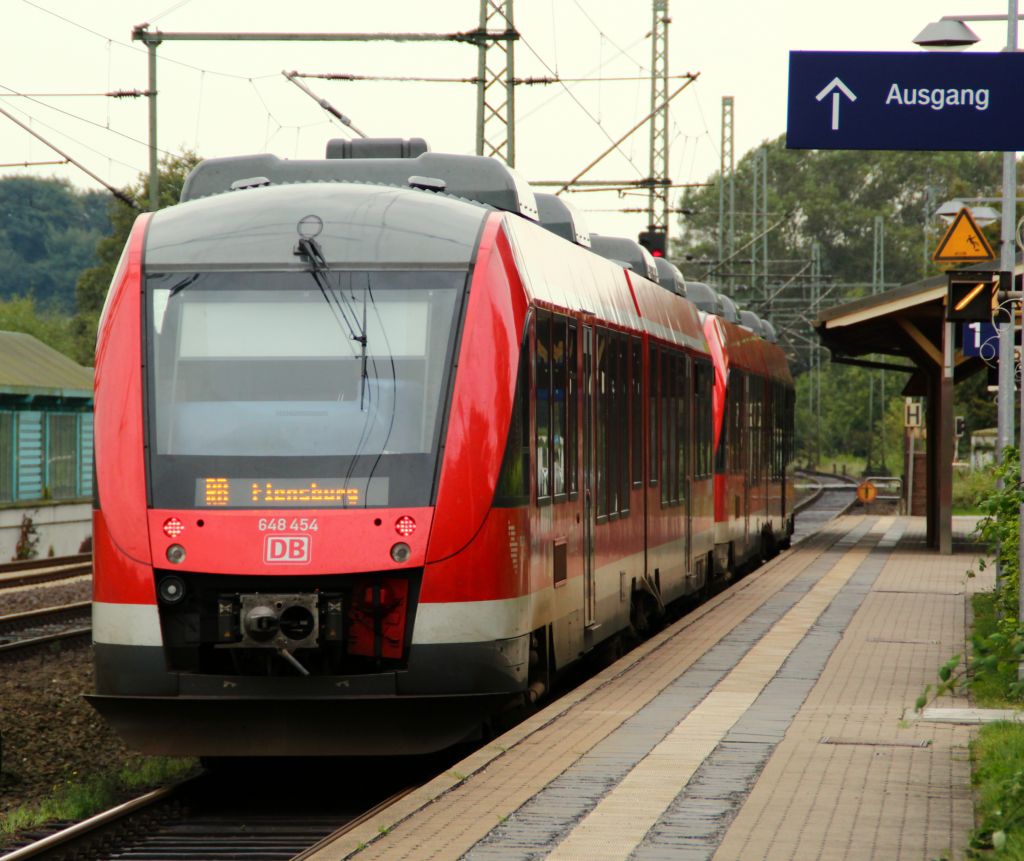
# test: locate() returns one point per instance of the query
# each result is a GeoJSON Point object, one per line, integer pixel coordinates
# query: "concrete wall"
{"type": "Point", "coordinates": [62, 526]}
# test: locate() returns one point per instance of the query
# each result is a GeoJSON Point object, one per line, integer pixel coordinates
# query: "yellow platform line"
{"type": "Point", "coordinates": [613, 829]}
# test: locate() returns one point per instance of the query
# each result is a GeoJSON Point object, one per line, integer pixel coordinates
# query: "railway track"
{"type": "Point", "coordinates": [210, 816]}
{"type": "Point", "coordinates": [255, 816]}
{"type": "Point", "coordinates": [835, 495]}
{"type": "Point", "coordinates": [32, 571]}
{"type": "Point", "coordinates": [20, 631]}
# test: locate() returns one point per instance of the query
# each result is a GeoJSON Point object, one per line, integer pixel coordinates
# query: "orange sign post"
{"type": "Point", "coordinates": [866, 492]}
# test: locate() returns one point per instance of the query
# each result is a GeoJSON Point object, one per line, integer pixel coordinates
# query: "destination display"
{"type": "Point", "coordinates": [215, 492]}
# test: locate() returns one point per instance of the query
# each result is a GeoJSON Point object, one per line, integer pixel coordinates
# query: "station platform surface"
{"type": "Point", "coordinates": [773, 722]}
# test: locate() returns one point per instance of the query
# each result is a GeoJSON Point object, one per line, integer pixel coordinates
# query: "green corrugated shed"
{"type": "Point", "coordinates": [29, 367]}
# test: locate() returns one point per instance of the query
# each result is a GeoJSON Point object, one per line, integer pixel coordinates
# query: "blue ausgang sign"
{"type": "Point", "coordinates": [913, 100]}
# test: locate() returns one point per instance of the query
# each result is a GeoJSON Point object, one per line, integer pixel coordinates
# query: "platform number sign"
{"type": "Point", "coordinates": [971, 296]}
{"type": "Point", "coordinates": [982, 340]}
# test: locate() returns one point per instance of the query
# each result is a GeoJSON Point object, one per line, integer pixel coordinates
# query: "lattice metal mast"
{"type": "Point", "coordinates": [657, 205]}
{"type": "Point", "coordinates": [495, 89]}
{"type": "Point", "coordinates": [726, 198]}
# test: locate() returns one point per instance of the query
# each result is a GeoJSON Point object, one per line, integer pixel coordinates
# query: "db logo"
{"type": "Point", "coordinates": [286, 548]}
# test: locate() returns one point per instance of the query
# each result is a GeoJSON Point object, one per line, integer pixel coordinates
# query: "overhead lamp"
{"type": "Point", "coordinates": [947, 33]}
{"type": "Point", "coordinates": [982, 215]}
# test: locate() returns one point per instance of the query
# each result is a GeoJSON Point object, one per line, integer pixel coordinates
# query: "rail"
{"type": "Point", "coordinates": [29, 572]}
{"type": "Point", "coordinates": [80, 831]}
{"type": "Point", "coordinates": [34, 622]}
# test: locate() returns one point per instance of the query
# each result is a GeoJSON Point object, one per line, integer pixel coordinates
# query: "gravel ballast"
{"type": "Point", "coordinates": [49, 735]}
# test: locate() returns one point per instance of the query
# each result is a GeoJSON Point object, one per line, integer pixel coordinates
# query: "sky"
{"type": "Point", "coordinates": [57, 58]}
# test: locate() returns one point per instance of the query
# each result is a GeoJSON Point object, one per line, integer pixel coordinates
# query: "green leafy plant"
{"type": "Point", "coordinates": [996, 651]}
{"type": "Point", "coordinates": [26, 546]}
{"type": "Point", "coordinates": [998, 753]}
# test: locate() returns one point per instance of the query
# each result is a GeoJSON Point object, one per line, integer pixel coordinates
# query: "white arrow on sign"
{"type": "Point", "coordinates": [835, 86]}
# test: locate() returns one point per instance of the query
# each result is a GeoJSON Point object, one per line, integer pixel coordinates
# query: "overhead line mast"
{"type": "Point", "coordinates": [658, 208]}
{"type": "Point", "coordinates": [495, 116]}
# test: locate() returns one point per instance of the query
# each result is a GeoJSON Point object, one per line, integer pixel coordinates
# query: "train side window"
{"type": "Point", "coordinates": [514, 479]}
{"type": "Point", "coordinates": [652, 417]}
{"type": "Point", "coordinates": [613, 426]}
{"type": "Point", "coordinates": [700, 412]}
{"type": "Point", "coordinates": [637, 412]}
{"type": "Point", "coordinates": [542, 384]}
{"type": "Point", "coordinates": [622, 422]}
{"type": "Point", "coordinates": [559, 388]}
{"type": "Point", "coordinates": [602, 385]}
{"type": "Point", "coordinates": [708, 399]}
{"type": "Point", "coordinates": [738, 437]}
{"type": "Point", "coordinates": [572, 412]}
{"type": "Point", "coordinates": [665, 415]}
{"type": "Point", "coordinates": [682, 425]}
{"type": "Point", "coordinates": [756, 414]}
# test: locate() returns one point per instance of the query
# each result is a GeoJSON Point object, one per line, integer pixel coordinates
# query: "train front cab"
{"type": "Point", "coordinates": [246, 603]}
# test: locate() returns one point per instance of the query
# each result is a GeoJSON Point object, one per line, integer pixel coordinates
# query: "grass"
{"type": "Point", "coordinates": [854, 466]}
{"type": "Point", "coordinates": [80, 797]}
{"type": "Point", "coordinates": [989, 686]}
{"type": "Point", "coordinates": [998, 755]}
{"type": "Point", "coordinates": [969, 488]}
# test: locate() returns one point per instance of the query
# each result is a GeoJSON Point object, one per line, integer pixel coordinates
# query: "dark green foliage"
{"type": "Point", "coordinates": [832, 198]}
{"type": "Point", "coordinates": [53, 328]}
{"type": "Point", "coordinates": [48, 234]}
{"type": "Point", "coordinates": [999, 530]}
{"type": "Point", "coordinates": [91, 289]}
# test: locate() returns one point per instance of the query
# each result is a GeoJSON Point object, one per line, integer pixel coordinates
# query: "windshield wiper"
{"type": "Point", "coordinates": [182, 284]}
{"type": "Point", "coordinates": [309, 248]}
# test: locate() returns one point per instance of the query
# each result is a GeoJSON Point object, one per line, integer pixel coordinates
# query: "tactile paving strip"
{"type": "Point", "coordinates": [553, 813]}
{"type": "Point", "coordinates": [693, 825]}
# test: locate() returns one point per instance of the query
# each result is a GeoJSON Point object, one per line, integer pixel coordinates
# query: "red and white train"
{"type": "Point", "coordinates": [377, 453]}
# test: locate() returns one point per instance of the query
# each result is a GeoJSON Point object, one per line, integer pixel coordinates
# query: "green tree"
{"type": "Point", "coordinates": [53, 328]}
{"type": "Point", "coordinates": [831, 199]}
{"type": "Point", "coordinates": [92, 286]}
{"type": "Point", "coordinates": [48, 235]}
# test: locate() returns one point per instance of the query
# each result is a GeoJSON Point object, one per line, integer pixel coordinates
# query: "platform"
{"type": "Point", "coordinates": [770, 723]}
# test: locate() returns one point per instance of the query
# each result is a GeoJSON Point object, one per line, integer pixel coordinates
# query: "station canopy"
{"type": "Point", "coordinates": [907, 327]}
{"type": "Point", "coordinates": [905, 323]}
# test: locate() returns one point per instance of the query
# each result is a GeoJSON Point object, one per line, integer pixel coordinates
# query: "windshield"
{"type": "Point", "coordinates": [261, 395]}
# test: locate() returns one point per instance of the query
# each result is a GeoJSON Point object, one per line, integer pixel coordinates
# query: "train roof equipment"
{"type": "Point", "coordinates": [477, 178]}
{"type": "Point", "coordinates": [628, 252]}
{"type": "Point", "coordinates": [563, 219]}
{"type": "Point", "coordinates": [750, 320]}
{"type": "Point", "coordinates": [670, 276]}
{"type": "Point", "coordinates": [728, 309]}
{"type": "Point", "coordinates": [768, 331]}
{"type": "Point", "coordinates": [703, 297]}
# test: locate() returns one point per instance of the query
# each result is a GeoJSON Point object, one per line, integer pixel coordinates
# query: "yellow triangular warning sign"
{"type": "Point", "coordinates": [964, 242]}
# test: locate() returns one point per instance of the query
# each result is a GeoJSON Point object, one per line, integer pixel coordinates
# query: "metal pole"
{"type": "Point", "coordinates": [1010, 205]}
{"type": "Point", "coordinates": [1007, 258]}
{"type": "Point", "coordinates": [510, 90]}
{"type": "Point", "coordinates": [154, 169]}
{"type": "Point", "coordinates": [764, 222]}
